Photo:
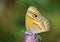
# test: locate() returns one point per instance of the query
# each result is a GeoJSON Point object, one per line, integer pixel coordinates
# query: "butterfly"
{"type": "Point", "coordinates": [35, 22]}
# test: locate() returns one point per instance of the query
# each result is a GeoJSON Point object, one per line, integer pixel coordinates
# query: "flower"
{"type": "Point", "coordinates": [30, 37]}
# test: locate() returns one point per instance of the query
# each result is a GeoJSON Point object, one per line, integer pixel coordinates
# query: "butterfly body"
{"type": "Point", "coordinates": [35, 22]}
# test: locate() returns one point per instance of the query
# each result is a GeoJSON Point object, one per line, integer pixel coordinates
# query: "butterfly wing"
{"type": "Point", "coordinates": [42, 26]}
{"type": "Point", "coordinates": [30, 16]}
{"type": "Point", "coordinates": [45, 23]}
{"type": "Point", "coordinates": [35, 22]}
{"type": "Point", "coordinates": [29, 22]}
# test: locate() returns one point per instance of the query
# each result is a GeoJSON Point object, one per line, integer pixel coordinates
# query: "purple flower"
{"type": "Point", "coordinates": [30, 37]}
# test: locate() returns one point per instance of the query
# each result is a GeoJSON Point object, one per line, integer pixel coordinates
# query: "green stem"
{"type": "Point", "coordinates": [39, 37]}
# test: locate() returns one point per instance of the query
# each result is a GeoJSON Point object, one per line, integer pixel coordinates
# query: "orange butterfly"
{"type": "Point", "coordinates": [35, 22]}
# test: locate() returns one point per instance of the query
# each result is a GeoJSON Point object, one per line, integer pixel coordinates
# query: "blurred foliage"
{"type": "Point", "coordinates": [12, 19]}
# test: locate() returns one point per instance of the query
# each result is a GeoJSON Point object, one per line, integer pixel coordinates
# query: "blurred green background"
{"type": "Point", "coordinates": [12, 19]}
